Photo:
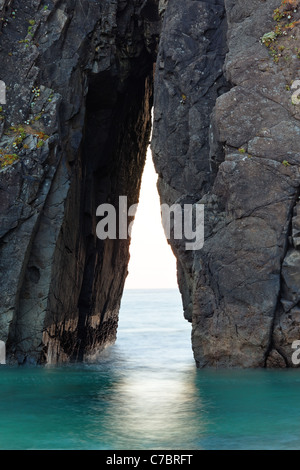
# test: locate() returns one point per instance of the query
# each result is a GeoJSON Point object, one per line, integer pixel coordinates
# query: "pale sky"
{"type": "Point", "coordinates": [152, 263]}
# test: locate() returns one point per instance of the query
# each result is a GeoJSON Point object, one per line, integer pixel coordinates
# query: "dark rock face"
{"type": "Point", "coordinates": [79, 97]}
{"type": "Point", "coordinates": [236, 150]}
{"type": "Point", "coordinates": [74, 134]}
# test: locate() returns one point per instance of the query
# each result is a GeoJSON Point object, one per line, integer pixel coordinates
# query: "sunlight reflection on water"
{"type": "Point", "coordinates": [155, 411]}
{"type": "Point", "coordinates": [145, 393]}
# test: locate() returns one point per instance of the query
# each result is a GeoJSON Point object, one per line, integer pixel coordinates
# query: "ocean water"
{"type": "Point", "coordinates": [145, 393]}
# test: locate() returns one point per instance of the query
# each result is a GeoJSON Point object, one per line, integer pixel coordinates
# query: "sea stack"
{"type": "Point", "coordinates": [81, 78]}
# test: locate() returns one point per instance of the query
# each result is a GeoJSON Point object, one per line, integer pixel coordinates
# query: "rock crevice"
{"type": "Point", "coordinates": [76, 126]}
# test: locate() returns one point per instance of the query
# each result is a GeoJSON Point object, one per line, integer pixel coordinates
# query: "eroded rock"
{"type": "Point", "coordinates": [74, 135]}
{"type": "Point", "coordinates": [242, 163]}
{"type": "Point", "coordinates": [77, 125]}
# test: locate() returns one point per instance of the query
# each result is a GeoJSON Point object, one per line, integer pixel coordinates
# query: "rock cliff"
{"type": "Point", "coordinates": [74, 133]}
{"type": "Point", "coordinates": [75, 129]}
{"type": "Point", "coordinates": [232, 144]}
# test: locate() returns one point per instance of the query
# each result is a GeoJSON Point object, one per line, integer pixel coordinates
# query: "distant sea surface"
{"type": "Point", "coordinates": [146, 393]}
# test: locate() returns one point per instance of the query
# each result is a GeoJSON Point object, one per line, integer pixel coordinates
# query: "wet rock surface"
{"type": "Point", "coordinates": [74, 133]}
{"type": "Point", "coordinates": [75, 130]}
{"type": "Point", "coordinates": [239, 156]}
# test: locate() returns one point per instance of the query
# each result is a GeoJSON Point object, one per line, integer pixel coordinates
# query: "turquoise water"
{"type": "Point", "coordinates": [145, 393]}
